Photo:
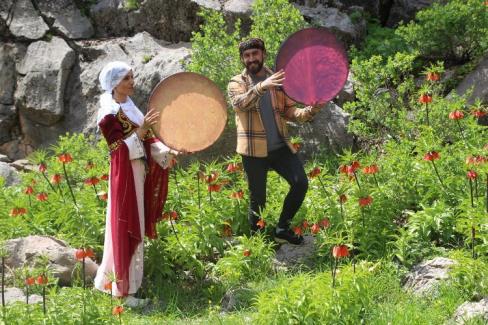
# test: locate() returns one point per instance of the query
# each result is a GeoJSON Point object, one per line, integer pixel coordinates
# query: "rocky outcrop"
{"type": "Point", "coordinates": [425, 277]}
{"type": "Point", "coordinates": [22, 19]}
{"type": "Point", "coordinates": [405, 10]}
{"type": "Point", "coordinates": [476, 81]}
{"type": "Point", "coordinates": [25, 251]}
{"type": "Point", "coordinates": [469, 310]}
{"type": "Point", "coordinates": [9, 174]}
{"type": "Point", "coordinates": [289, 255]}
{"type": "Point", "coordinates": [15, 294]}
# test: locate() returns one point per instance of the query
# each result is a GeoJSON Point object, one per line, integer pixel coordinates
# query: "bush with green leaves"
{"type": "Point", "coordinates": [455, 31]}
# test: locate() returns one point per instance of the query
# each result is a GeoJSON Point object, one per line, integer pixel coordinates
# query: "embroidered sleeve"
{"type": "Point", "coordinates": [136, 149]}
{"type": "Point", "coordinates": [161, 154]}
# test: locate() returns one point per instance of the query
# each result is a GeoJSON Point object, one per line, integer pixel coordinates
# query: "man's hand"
{"type": "Point", "coordinates": [275, 80]}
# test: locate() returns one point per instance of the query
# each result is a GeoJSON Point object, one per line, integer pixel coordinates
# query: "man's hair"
{"type": "Point", "coordinates": [251, 43]}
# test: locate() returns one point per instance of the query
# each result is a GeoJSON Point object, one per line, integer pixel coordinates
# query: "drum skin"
{"type": "Point", "coordinates": [192, 111]}
{"type": "Point", "coordinates": [315, 64]}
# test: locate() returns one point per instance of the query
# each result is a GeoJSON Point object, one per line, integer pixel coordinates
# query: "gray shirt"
{"type": "Point", "coordinates": [273, 137]}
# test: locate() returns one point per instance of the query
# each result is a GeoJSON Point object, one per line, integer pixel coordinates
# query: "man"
{"type": "Point", "coordinates": [262, 110]}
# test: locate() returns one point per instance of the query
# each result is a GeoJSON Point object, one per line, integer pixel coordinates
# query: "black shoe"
{"type": "Point", "coordinates": [284, 236]}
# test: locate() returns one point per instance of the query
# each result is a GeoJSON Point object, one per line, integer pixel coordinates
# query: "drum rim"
{"type": "Point", "coordinates": [343, 51]}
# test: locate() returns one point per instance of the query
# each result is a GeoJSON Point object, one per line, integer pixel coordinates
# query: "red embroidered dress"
{"type": "Point", "coordinates": [138, 186]}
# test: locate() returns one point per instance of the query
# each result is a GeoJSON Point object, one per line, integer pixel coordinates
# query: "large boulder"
{"type": "Point", "coordinates": [171, 20]}
{"type": "Point", "coordinates": [17, 295]}
{"type": "Point", "coordinates": [45, 67]}
{"type": "Point", "coordinates": [469, 310]}
{"type": "Point", "coordinates": [328, 129]}
{"type": "Point", "coordinates": [25, 251]}
{"type": "Point", "coordinates": [22, 19]}
{"type": "Point", "coordinates": [405, 10]}
{"type": "Point", "coordinates": [66, 18]}
{"type": "Point", "coordinates": [238, 9]}
{"type": "Point", "coordinates": [349, 31]}
{"type": "Point", "coordinates": [424, 278]}
{"type": "Point", "coordinates": [9, 174]}
{"type": "Point", "coordinates": [477, 81]}
{"type": "Point", "coordinates": [289, 255]}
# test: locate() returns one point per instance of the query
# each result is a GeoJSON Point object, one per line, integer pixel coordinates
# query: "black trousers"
{"type": "Point", "coordinates": [288, 166]}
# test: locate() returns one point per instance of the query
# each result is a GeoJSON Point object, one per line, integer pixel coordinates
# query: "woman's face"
{"type": "Point", "coordinates": [126, 86]}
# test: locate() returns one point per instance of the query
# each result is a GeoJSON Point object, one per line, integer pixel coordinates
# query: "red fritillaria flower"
{"type": "Point", "coordinates": [29, 190]}
{"type": "Point", "coordinates": [104, 177]}
{"type": "Point", "coordinates": [431, 156]}
{"type": "Point", "coordinates": [324, 223]}
{"type": "Point", "coordinates": [305, 224]}
{"type": "Point", "coordinates": [314, 172]}
{"type": "Point", "coordinates": [173, 215]}
{"type": "Point", "coordinates": [315, 228]}
{"type": "Point", "coordinates": [342, 198]}
{"type": "Point", "coordinates": [41, 197]}
{"type": "Point", "coordinates": [343, 169]}
{"type": "Point", "coordinates": [65, 158]}
{"type": "Point", "coordinates": [340, 251]}
{"type": "Point", "coordinates": [425, 99]}
{"type": "Point", "coordinates": [456, 115]}
{"type": "Point", "coordinates": [56, 179]}
{"type": "Point", "coordinates": [103, 195]}
{"type": "Point", "coordinates": [42, 167]}
{"type": "Point", "coordinates": [237, 195]}
{"type": "Point", "coordinates": [432, 76]}
{"type": "Point", "coordinates": [261, 223]}
{"type": "Point", "coordinates": [233, 167]}
{"type": "Point", "coordinates": [214, 187]}
{"type": "Point", "coordinates": [108, 286]}
{"type": "Point", "coordinates": [92, 181]}
{"type": "Point", "coordinates": [227, 231]}
{"type": "Point", "coordinates": [298, 230]}
{"type": "Point", "coordinates": [17, 212]}
{"type": "Point", "coordinates": [42, 279]}
{"type": "Point", "coordinates": [373, 169]}
{"type": "Point", "coordinates": [80, 254]}
{"type": "Point", "coordinates": [246, 253]}
{"type": "Point", "coordinates": [478, 113]}
{"type": "Point", "coordinates": [30, 281]}
{"type": "Point", "coordinates": [212, 177]}
{"type": "Point", "coordinates": [471, 175]}
{"type": "Point", "coordinates": [476, 160]}
{"type": "Point", "coordinates": [365, 201]}
{"type": "Point", "coordinates": [117, 310]}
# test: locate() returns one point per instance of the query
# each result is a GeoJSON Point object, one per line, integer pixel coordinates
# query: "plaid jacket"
{"type": "Point", "coordinates": [244, 97]}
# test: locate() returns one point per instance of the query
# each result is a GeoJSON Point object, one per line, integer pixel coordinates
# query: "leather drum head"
{"type": "Point", "coordinates": [192, 109]}
{"type": "Point", "coordinates": [315, 65]}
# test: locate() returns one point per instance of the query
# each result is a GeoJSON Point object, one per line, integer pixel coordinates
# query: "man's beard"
{"type": "Point", "coordinates": [255, 68]}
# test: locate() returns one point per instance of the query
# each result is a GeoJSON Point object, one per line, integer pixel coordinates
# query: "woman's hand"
{"type": "Point", "coordinates": [150, 119]}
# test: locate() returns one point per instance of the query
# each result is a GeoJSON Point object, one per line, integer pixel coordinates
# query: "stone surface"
{"type": "Point", "coordinates": [22, 19]}
{"type": "Point", "coordinates": [66, 18]}
{"type": "Point", "coordinates": [23, 165]}
{"type": "Point", "coordinates": [328, 129]}
{"type": "Point", "coordinates": [347, 93]}
{"type": "Point", "coordinates": [24, 252]}
{"type": "Point", "coordinates": [290, 255]}
{"type": "Point", "coordinates": [469, 310]}
{"type": "Point", "coordinates": [46, 66]}
{"type": "Point", "coordinates": [405, 10]}
{"type": "Point", "coordinates": [477, 81]}
{"type": "Point", "coordinates": [235, 299]}
{"type": "Point", "coordinates": [17, 295]}
{"type": "Point", "coordinates": [425, 277]}
{"type": "Point", "coordinates": [7, 75]}
{"type": "Point", "coordinates": [9, 173]}
{"type": "Point", "coordinates": [4, 158]}
{"type": "Point", "coordinates": [336, 21]}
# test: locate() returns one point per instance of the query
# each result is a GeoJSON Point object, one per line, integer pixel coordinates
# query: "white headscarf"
{"type": "Point", "coordinates": [110, 76]}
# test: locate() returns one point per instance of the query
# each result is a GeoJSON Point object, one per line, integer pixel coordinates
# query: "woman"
{"type": "Point", "coordinates": [138, 183]}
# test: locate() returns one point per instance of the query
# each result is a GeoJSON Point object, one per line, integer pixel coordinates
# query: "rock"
{"type": "Point", "coordinates": [46, 66]}
{"type": "Point", "coordinates": [66, 18]}
{"type": "Point", "coordinates": [10, 175]}
{"type": "Point", "coordinates": [16, 294]}
{"type": "Point", "coordinates": [8, 119]}
{"type": "Point", "coordinates": [23, 165]}
{"type": "Point", "coordinates": [236, 299]}
{"type": "Point", "coordinates": [22, 19]}
{"type": "Point", "coordinates": [425, 277]}
{"type": "Point", "coordinates": [347, 93]}
{"type": "Point", "coordinates": [477, 80]}
{"type": "Point", "coordinates": [238, 9]}
{"type": "Point", "coordinates": [338, 22]}
{"type": "Point", "coordinates": [171, 20]}
{"type": "Point", "coordinates": [405, 10]}
{"type": "Point", "coordinates": [24, 252]}
{"type": "Point", "coordinates": [7, 75]}
{"type": "Point", "coordinates": [290, 255]}
{"type": "Point", "coordinates": [328, 129]}
{"type": "Point", "coordinates": [4, 158]}
{"type": "Point", "coordinates": [16, 149]}
{"type": "Point", "coordinates": [470, 310]}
